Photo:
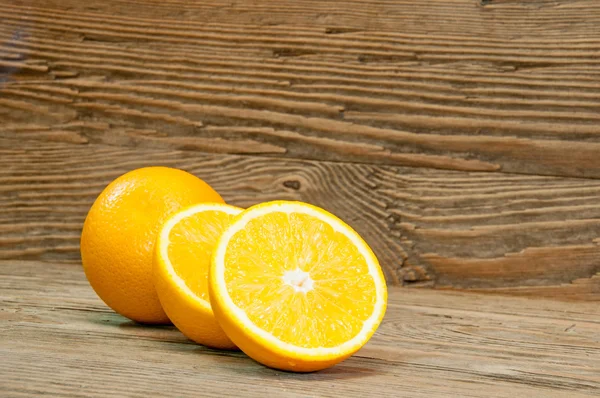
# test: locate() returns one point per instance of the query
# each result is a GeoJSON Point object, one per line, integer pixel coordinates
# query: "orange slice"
{"type": "Point", "coordinates": [295, 287]}
{"type": "Point", "coordinates": [182, 258]}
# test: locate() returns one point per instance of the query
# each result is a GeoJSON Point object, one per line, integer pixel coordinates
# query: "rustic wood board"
{"type": "Point", "coordinates": [58, 338]}
{"type": "Point", "coordinates": [460, 137]}
{"type": "Point", "coordinates": [477, 85]}
{"type": "Point", "coordinates": [492, 232]}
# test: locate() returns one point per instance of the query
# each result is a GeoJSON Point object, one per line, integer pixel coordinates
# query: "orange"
{"type": "Point", "coordinates": [295, 287]}
{"type": "Point", "coordinates": [120, 230]}
{"type": "Point", "coordinates": [181, 262]}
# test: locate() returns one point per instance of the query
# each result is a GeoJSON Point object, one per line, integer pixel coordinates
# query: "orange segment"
{"type": "Point", "coordinates": [295, 287]}
{"type": "Point", "coordinates": [181, 264]}
{"type": "Point", "coordinates": [191, 243]}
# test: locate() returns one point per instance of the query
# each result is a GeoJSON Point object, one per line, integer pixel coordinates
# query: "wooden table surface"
{"type": "Point", "coordinates": [58, 338]}
{"type": "Point", "coordinates": [461, 138]}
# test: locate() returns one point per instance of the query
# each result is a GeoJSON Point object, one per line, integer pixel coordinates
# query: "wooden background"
{"type": "Point", "coordinates": [460, 137]}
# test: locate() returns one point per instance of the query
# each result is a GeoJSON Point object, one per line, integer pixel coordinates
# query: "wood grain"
{"type": "Point", "coordinates": [470, 85]}
{"type": "Point", "coordinates": [59, 339]}
{"type": "Point", "coordinates": [494, 105]}
{"type": "Point", "coordinates": [448, 229]}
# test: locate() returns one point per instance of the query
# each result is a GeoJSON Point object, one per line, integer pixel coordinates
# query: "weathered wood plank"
{"type": "Point", "coordinates": [58, 338]}
{"type": "Point", "coordinates": [579, 289]}
{"type": "Point", "coordinates": [508, 86]}
{"type": "Point", "coordinates": [449, 229]}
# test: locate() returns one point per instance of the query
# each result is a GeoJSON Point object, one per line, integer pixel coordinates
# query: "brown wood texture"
{"type": "Point", "coordinates": [461, 138]}
{"type": "Point", "coordinates": [58, 338]}
{"type": "Point", "coordinates": [490, 232]}
{"type": "Point", "coordinates": [454, 84]}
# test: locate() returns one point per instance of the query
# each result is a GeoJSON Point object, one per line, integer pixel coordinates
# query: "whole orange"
{"type": "Point", "coordinates": [120, 231]}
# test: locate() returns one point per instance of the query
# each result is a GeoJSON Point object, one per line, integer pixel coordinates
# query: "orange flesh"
{"type": "Point", "coordinates": [191, 242]}
{"type": "Point", "coordinates": [330, 294]}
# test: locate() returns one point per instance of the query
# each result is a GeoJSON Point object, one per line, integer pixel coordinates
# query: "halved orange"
{"type": "Point", "coordinates": [182, 258]}
{"type": "Point", "coordinates": [295, 287]}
